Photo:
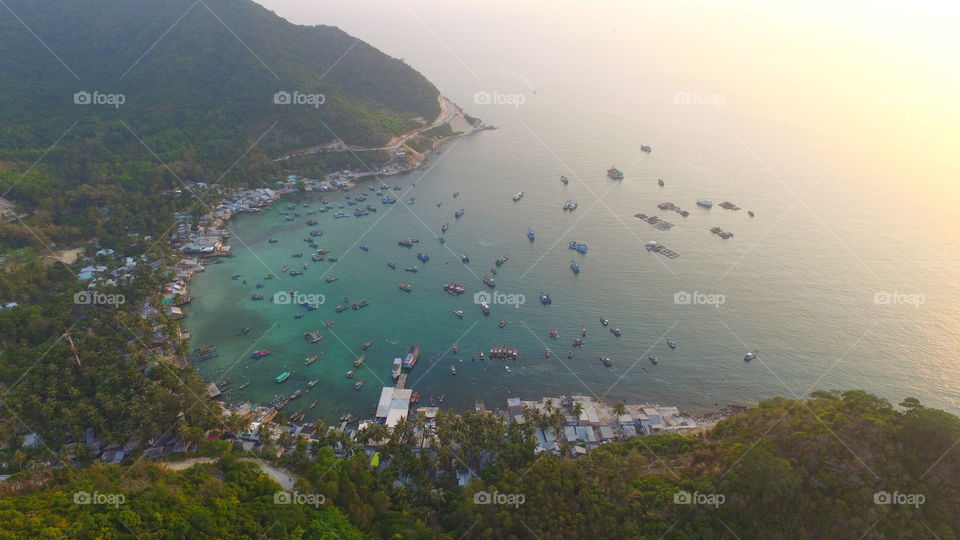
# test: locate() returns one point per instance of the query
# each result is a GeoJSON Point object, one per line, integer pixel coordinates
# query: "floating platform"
{"type": "Point", "coordinates": [656, 222]}
{"type": "Point", "coordinates": [657, 247]}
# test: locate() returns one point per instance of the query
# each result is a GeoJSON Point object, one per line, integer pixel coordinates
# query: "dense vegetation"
{"type": "Point", "coordinates": [786, 469]}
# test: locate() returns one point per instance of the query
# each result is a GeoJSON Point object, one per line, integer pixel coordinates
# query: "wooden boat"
{"type": "Point", "coordinates": [350, 373]}
{"type": "Point", "coordinates": [366, 345]}
{"type": "Point", "coordinates": [359, 361]}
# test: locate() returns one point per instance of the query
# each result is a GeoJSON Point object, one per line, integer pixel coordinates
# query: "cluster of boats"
{"type": "Point", "coordinates": [354, 305]}
{"type": "Point", "coordinates": [578, 246]}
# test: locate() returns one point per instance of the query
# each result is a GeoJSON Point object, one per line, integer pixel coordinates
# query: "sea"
{"type": "Point", "coordinates": [844, 278]}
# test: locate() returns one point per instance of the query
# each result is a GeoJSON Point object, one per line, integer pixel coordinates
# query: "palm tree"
{"type": "Point", "coordinates": [620, 409]}
{"type": "Point", "coordinates": [577, 409]}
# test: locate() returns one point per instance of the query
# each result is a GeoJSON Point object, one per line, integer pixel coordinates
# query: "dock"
{"type": "Point", "coordinates": [401, 381]}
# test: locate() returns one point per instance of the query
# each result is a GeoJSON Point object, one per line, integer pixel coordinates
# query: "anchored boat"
{"type": "Point", "coordinates": [413, 354]}
{"type": "Point", "coordinates": [282, 377]}
{"type": "Point", "coordinates": [530, 234]}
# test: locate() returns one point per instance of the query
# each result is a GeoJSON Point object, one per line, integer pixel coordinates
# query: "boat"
{"type": "Point", "coordinates": [359, 361]}
{"type": "Point", "coordinates": [574, 266]}
{"type": "Point", "coordinates": [458, 213]}
{"type": "Point", "coordinates": [481, 355]}
{"type": "Point", "coordinates": [455, 288]}
{"type": "Point", "coordinates": [660, 182]}
{"type": "Point", "coordinates": [545, 298]}
{"type": "Point", "coordinates": [473, 357]}
{"type": "Point", "coordinates": [518, 196]}
{"type": "Point", "coordinates": [445, 226]}
{"type": "Point", "coordinates": [583, 331]}
{"type": "Point", "coordinates": [547, 352]}
{"type": "Point", "coordinates": [244, 385]}
{"type": "Point", "coordinates": [305, 266]}
{"type": "Point", "coordinates": [358, 385]}
{"type": "Point", "coordinates": [493, 270]}
{"type": "Point", "coordinates": [296, 273]}
{"type": "Point", "coordinates": [442, 240]}
{"type": "Point", "coordinates": [484, 307]}
{"type": "Point", "coordinates": [296, 394]}
{"type": "Point", "coordinates": [364, 247]}
{"type": "Point", "coordinates": [464, 258]}
{"type": "Point", "coordinates": [414, 398]}
{"type": "Point", "coordinates": [328, 324]}
{"type": "Point", "coordinates": [350, 373]}
{"type": "Point", "coordinates": [297, 254]}
{"type": "Point", "coordinates": [530, 234]}
{"type": "Point", "coordinates": [256, 297]}
{"type": "Point", "coordinates": [413, 354]}
{"type": "Point", "coordinates": [453, 370]}
{"type": "Point", "coordinates": [314, 404]}
{"type": "Point", "coordinates": [343, 307]}
{"type": "Point", "coordinates": [554, 333]}
{"type": "Point", "coordinates": [339, 215]}
{"type": "Point", "coordinates": [672, 343]}
{"type": "Point", "coordinates": [405, 287]}
{"type": "Point", "coordinates": [392, 265]}
{"type": "Point", "coordinates": [750, 213]}
{"type": "Point", "coordinates": [706, 203]}
{"type": "Point", "coordinates": [360, 304]}
{"type": "Point", "coordinates": [333, 259]}
{"type": "Point", "coordinates": [578, 246]}
{"type": "Point", "coordinates": [397, 366]}
{"type": "Point", "coordinates": [244, 331]}
{"type": "Point", "coordinates": [616, 331]}
{"type": "Point", "coordinates": [273, 240]}
{"type": "Point", "coordinates": [423, 257]}
{"type": "Point", "coordinates": [615, 173]}
{"type": "Point", "coordinates": [411, 269]}
{"type": "Point", "coordinates": [457, 312]}
{"type": "Point", "coordinates": [578, 342]}
{"type": "Point", "coordinates": [508, 369]}
{"type": "Point", "coordinates": [361, 212]}
{"type": "Point", "coordinates": [570, 205]}
{"type": "Point", "coordinates": [456, 348]}
{"type": "Point", "coordinates": [268, 276]}
{"type": "Point", "coordinates": [646, 148]}
{"type": "Point", "coordinates": [565, 180]}
{"type": "Point", "coordinates": [371, 208]}
{"type": "Point", "coordinates": [311, 222]}
{"type": "Point", "coordinates": [282, 377]}
{"type": "Point", "coordinates": [652, 359]}
{"type": "Point", "coordinates": [408, 241]}
{"type": "Point", "coordinates": [309, 360]}
{"type": "Point", "coordinates": [235, 276]}
{"type": "Point", "coordinates": [312, 383]}
{"type": "Point", "coordinates": [456, 194]}
{"type": "Point", "coordinates": [330, 279]}
{"type": "Point", "coordinates": [604, 322]}
{"type": "Point", "coordinates": [502, 323]}
{"type": "Point", "coordinates": [260, 354]}
{"type": "Point", "coordinates": [606, 361]}
{"type": "Point", "coordinates": [502, 259]}
{"type": "Point", "coordinates": [489, 282]}
{"type": "Point", "coordinates": [752, 355]}
{"type": "Point", "coordinates": [366, 345]}
{"type": "Point", "coordinates": [298, 316]}
{"type": "Point", "coordinates": [387, 200]}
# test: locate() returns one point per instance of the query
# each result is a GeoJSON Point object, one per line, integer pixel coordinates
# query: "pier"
{"type": "Point", "coordinates": [401, 381]}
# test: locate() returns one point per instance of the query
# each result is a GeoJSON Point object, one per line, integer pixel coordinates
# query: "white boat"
{"type": "Point", "coordinates": [570, 205]}
{"type": "Point", "coordinates": [397, 366]}
{"type": "Point", "coordinates": [518, 196]}
{"type": "Point", "coordinates": [508, 369]}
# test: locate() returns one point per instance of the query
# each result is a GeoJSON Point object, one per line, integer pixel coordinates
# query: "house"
{"type": "Point", "coordinates": [175, 312]}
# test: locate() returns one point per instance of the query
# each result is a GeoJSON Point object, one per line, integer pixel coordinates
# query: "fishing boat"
{"type": "Point", "coordinates": [455, 288]}
{"type": "Point", "coordinates": [752, 355]}
{"type": "Point", "coordinates": [502, 323]}
{"type": "Point", "coordinates": [457, 312]}
{"type": "Point", "coordinates": [604, 322]}
{"type": "Point", "coordinates": [296, 394]}
{"type": "Point", "coordinates": [312, 383]}
{"type": "Point", "coordinates": [445, 227]}
{"type": "Point", "coordinates": [706, 203]}
{"type": "Point", "coordinates": [309, 360]}
{"type": "Point", "coordinates": [456, 194]}
{"type": "Point", "coordinates": [672, 343]}
{"type": "Point", "coordinates": [343, 307]}
{"type": "Point", "coordinates": [268, 276]}
{"type": "Point", "coordinates": [305, 266]}
{"type": "Point", "coordinates": [508, 369]}
{"type": "Point", "coordinates": [296, 273]}
{"type": "Point", "coordinates": [298, 316]}
{"type": "Point", "coordinates": [653, 359]}
{"type": "Point", "coordinates": [244, 331]}
{"type": "Point", "coordinates": [282, 377]}
{"type": "Point", "coordinates": [297, 254]}
{"type": "Point", "coordinates": [570, 205]}
{"type": "Point", "coordinates": [312, 222]}
{"type": "Point", "coordinates": [502, 259]}
{"type": "Point", "coordinates": [456, 348]}
{"type": "Point", "coordinates": [578, 246]}
{"type": "Point", "coordinates": [333, 259]}
{"type": "Point", "coordinates": [366, 345]}
{"type": "Point", "coordinates": [473, 357]}
{"type": "Point", "coordinates": [371, 208]}
{"type": "Point", "coordinates": [405, 287]}
{"type": "Point", "coordinates": [750, 213]}
{"type": "Point", "coordinates": [453, 370]}
{"type": "Point", "coordinates": [358, 385]}
{"type": "Point", "coordinates": [574, 266]}
{"type": "Point", "coordinates": [614, 173]}
{"type": "Point", "coordinates": [464, 258]}
{"type": "Point", "coordinates": [489, 282]}
{"type": "Point", "coordinates": [442, 240]}
{"type": "Point", "coordinates": [554, 333]}
{"type": "Point", "coordinates": [458, 213]}
{"type": "Point", "coordinates": [423, 257]}
{"type": "Point", "coordinates": [244, 385]}
{"type": "Point", "coordinates": [408, 241]}
{"type": "Point", "coordinates": [235, 276]}
{"type": "Point", "coordinates": [484, 307]}
{"type": "Point", "coordinates": [359, 361]}
{"type": "Point", "coordinates": [339, 215]}
{"type": "Point", "coordinates": [413, 354]}
{"type": "Point", "coordinates": [387, 200]}
{"type": "Point", "coordinates": [392, 265]}
{"type": "Point", "coordinates": [616, 331]}
{"type": "Point", "coordinates": [547, 352]}
{"type": "Point", "coordinates": [411, 269]}
{"type": "Point", "coordinates": [578, 342]}
{"type": "Point", "coordinates": [273, 240]}
{"type": "Point", "coordinates": [284, 268]}
{"type": "Point", "coordinates": [646, 148]}
{"type": "Point", "coordinates": [530, 234]}
{"type": "Point", "coordinates": [364, 247]}
{"type": "Point", "coordinates": [314, 404]}
{"type": "Point", "coordinates": [350, 373]}
{"type": "Point", "coordinates": [260, 354]}
{"type": "Point", "coordinates": [565, 180]}
{"type": "Point", "coordinates": [328, 324]}
{"type": "Point", "coordinates": [361, 212]}
{"type": "Point", "coordinates": [397, 366]}
{"type": "Point", "coordinates": [330, 279]}
{"type": "Point", "coordinates": [606, 361]}
{"type": "Point", "coordinates": [493, 270]}
{"type": "Point", "coordinates": [583, 331]}
{"type": "Point", "coordinates": [481, 355]}
{"type": "Point", "coordinates": [518, 196]}
{"type": "Point", "coordinates": [545, 298]}
{"type": "Point", "coordinates": [360, 304]}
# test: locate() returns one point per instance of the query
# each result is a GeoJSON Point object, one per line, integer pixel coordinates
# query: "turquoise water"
{"type": "Point", "coordinates": [835, 224]}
